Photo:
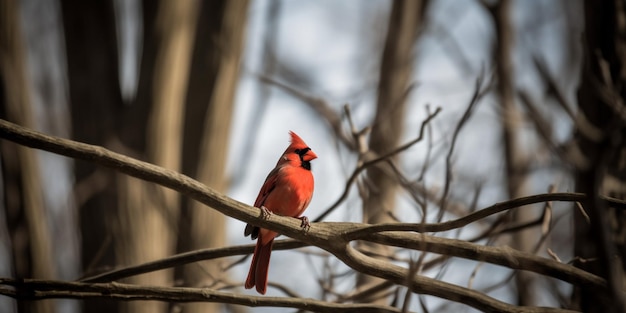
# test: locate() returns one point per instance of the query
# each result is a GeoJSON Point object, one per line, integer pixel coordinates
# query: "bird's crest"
{"type": "Point", "coordinates": [296, 141]}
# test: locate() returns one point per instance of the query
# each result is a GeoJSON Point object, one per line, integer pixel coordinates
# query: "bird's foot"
{"type": "Point", "coordinates": [305, 223]}
{"type": "Point", "coordinates": [265, 213]}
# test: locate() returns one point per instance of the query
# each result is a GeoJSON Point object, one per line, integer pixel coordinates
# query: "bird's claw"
{"type": "Point", "coordinates": [265, 213]}
{"type": "Point", "coordinates": [305, 223]}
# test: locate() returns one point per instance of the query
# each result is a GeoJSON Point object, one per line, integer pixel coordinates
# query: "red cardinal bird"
{"type": "Point", "coordinates": [287, 191]}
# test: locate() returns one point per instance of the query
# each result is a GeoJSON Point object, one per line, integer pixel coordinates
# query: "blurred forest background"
{"type": "Point", "coordinates": [532, 102]}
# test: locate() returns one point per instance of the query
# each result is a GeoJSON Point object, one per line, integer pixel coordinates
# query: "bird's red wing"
{"type": "Point", "coordinates": [266, 189]}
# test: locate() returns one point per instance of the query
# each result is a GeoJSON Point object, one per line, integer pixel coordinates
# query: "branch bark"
{"type": "Point", "coordinates": [47, 289]}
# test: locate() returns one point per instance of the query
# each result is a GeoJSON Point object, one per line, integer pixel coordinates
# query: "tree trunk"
{"type": "Point", "coordinates": [25, 210]}
{"type": "Point", "coordinates": [206, 143]}
{"type": "Point", "coordinates": [150, 218]}
{"type": "Point", "coordinates": [394, 82]}
{"type": "Point", "coordinates": [601, 240]}
{"type": "Point", "coordinates": [515, 158]}
{"type": "Point", "coordinates": [95, 104]}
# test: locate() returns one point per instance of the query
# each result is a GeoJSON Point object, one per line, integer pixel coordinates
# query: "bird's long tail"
{"type": "Point", "coordinates": [257, 275]}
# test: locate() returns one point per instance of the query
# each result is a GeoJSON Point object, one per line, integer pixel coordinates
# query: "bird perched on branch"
{"type": "Point", "coordinates": [287, 191]}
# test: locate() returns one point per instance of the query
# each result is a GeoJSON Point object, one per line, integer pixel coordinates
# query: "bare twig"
{"type": "Point", "coordinates": [374, 161]}
{"type": "Point", "coordinates": [479, 92]}
{"type": "Point", "coordinates": [320, 106]}
{"type": "Point", "coordinates": [414, 268]}
{"type": "Point", "coordinates": [553, 255]}
{"type": "Point", "coordinates": [580, 120]}
{"type": "Point", "coordinates": [580, 208]}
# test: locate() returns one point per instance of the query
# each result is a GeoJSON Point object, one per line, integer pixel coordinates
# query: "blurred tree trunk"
{"type": "Point", "coordinates": [150, 217]}
{"type": "Point", "coordinates": [515, 158]}
{"type": "Point", "coordinates": [601, 240]}
{"type": "Point", "coordinates": [210, 101]}
{"type": "Point", "coordinates": [96, 105]}
{"type": "Point", "coordinates": [26, 215]}
{"type": "Point", "coordinates": [394, 83]}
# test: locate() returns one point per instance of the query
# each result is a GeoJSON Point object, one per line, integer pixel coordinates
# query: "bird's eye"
{"type": "Point", "coordinates": [301, 152]}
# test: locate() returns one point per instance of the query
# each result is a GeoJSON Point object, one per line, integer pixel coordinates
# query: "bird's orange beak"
{"type": "Point", "coordinates": [309, 155]}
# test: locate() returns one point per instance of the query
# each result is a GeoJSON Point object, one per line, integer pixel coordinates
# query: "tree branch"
{"type": "Point", "coordinates": [186, 258]}
{"type": "Point", "coordinates": [479, 92]}
{"type": "Point", "coordinates": [476, 216]}
{"type": "Point", "coordinates": [505, 256]}
{"type": "Point", "coordinates": [34, 289]}
{"type": "Point", "coordinates": [426, 285]}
